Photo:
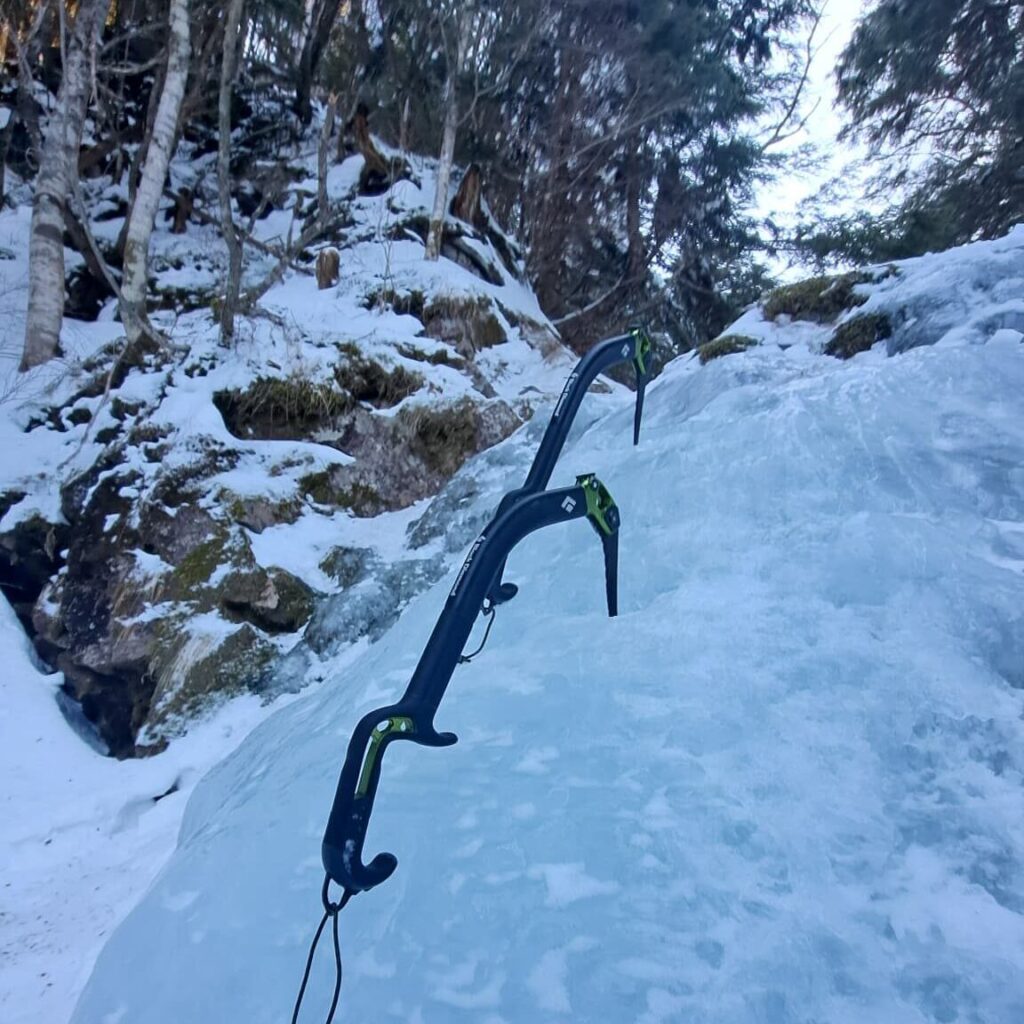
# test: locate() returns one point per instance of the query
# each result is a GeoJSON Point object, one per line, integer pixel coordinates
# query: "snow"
{"type": "Point", "coordinates": [784, 785]}
{"type": "Point", "coordinates": [84, 835]}
{"type": "Point", "coordinates": [89, 835]}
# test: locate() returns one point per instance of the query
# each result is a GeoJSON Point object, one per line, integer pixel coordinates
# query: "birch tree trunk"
{"type": "Point", "coordinates": [58, 168]}
{"type": "Point", "coordinates": [444, 168]}
{"type": "Point", "coordinates": [158, 157]}
{"type": "Point", "coordinates": [227, 78]}
{"type": "Point", "coordinates": [450, 101]}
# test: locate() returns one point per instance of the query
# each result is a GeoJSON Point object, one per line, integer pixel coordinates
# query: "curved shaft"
{"type": "Point", "coordinates": [412, 717]}
{"type": "Point", "coordinates": [633, 347]}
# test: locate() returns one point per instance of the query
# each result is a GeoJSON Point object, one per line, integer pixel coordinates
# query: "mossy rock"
{"type": "Point", "coordinates": [196, 568]}
{"type": "Point", "coordinates": [726, 345]}
{"type": "Point", "coordinates": [444, 436]}
{"type": "Point", "coordinates": [439, 357]}
{"type": "Point", "coordinates": [258, 514]}
{"type": "Point", "coordinates": [820, 299]}
{"type": "Point", "coordinates": [366, 380]}
{"type": "Point", "coordinates": [858, 334]}
{"type": "Point", "coordinates": [282, 408]}
{"type": "Point", "coordinates": [330, 487]}
{"type": "Point", "coordinates": [348, 566]}
{"type": "Point", "coordinates": [469, 323]}
{"type": "Point", "coordinates": [271, 599]}
{"type": "Point", "coordinates": [194, 674]}
{"type": "Point", "coordinates": [318, 487]}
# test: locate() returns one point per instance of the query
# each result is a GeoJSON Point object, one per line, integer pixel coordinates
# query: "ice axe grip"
{"type": "Point", "coordinates": [342, 847]}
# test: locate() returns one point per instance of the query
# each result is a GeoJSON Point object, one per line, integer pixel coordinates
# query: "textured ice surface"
{"type": "Point", "coordinates": [785, 785]}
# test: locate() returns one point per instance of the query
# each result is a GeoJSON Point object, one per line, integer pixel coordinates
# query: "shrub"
{"type": "Point", "coordinates": [281, 407]}
{"type": "Point", "coordinates": [820, 299]}
{"type": "Point", "coordinates": [367, 381]}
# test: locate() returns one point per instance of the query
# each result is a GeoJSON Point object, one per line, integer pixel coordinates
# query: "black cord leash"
{"type": "Point", "coordinates": [331, 910]}
{"type": "Point", "coordinates": [488, 613]}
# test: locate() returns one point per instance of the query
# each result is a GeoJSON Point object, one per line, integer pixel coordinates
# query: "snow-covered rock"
{"type": "Point", "coordinates": [166, 514]}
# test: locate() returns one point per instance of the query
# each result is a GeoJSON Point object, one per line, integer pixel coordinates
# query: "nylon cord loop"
{"type": "Point", "coordinates": [331, 911]}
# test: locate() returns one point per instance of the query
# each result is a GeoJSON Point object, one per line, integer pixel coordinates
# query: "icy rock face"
{"type": "Point", "coordinates": [967, 293]}
{"type": "Point", "coordinates": [964, 295]}
{"type": "Point", "coordinates": [132, 550]}
{"type": "Point", "coordinates": [785, 784]}
{"type": "Point", "coordinates": [371, 607]}
{"type": "Point", "coordinates": [465, 505]}
{"type": "Point", "coordinates": [374, 593]}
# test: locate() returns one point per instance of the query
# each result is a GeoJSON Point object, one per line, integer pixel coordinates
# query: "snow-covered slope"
{"type": "Point", "coordinates": [784, 785]}
{"type": "Point", "coordinates": [170, 519]}
{"type": "Point", "coordinates": [83, 835]}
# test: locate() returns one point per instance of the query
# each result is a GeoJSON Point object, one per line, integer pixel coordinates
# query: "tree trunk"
{"type": "Point", "coordinates": [636, 261]}
{"type": "Point", "coordinates": [227, 77]}
{"type": "Point", "coordinates": [57, 168]}
{"type": "Point", "coordinates": [466, 204]}
{"type": "Point", "coordinates": [323, 14]}
{"type": "Point", "coordinates": [450, 101]}
{"type": "Point", "coordinates": [322, 160]}
{"type": "Point", "coordinates": [134, 284]}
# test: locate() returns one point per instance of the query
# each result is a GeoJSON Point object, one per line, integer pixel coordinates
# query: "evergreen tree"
{"type": "Point", "coordinates": [938, 89]}
{"type": "Point", "coordinates": [621, 148]}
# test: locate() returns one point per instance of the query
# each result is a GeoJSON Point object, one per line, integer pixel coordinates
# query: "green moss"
{"type": "Point", "coordinates": [440, 357]}
{"type": "Point", "coordinates": [726, 345]}
{"type": "Point", "coordinates": [471, 322]}
{"type": "Point", "coordinates": [318, 486]}
{"type": "Point", "coordinates": [257, 514]}
{"type": "Point", "coordinates": [199, 565]}
{"type": "Point", "coordinates": [359, 498]}
{"type": "Point", "coordinates": [367, 381]}
{"type": "Point", "coordinates": [272, 600]}
{"type": "Point", "coordinates": [820, 299]}
{"type": "Point", "coordinates": [858, 335]}
{"type": "Point", "coordinates": [444, 437]}
{"type": "Point", "coordinates": [281, 407]}
{"type": "Point", "coordinates": [235, 665]}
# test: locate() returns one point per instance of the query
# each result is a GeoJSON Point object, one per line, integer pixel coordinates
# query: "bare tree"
{"type": "Point", "coordinates": [227, 78]}
{"type": "Point", "coordinates": [321, 16]}
{"type": "Point", "coordinates": [57, 170]}
{"type": "Point", "coordinates": [455, 50]}
{"type": "Point", "coordinates": [467, 33]}
{"type": "Point", "coordinates": [158, 157]}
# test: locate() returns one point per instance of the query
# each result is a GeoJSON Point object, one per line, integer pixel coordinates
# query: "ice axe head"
{"type": "Point", "coordinates": [603, 514]}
